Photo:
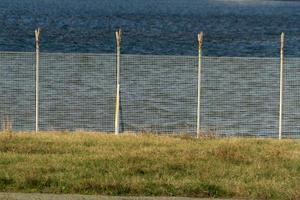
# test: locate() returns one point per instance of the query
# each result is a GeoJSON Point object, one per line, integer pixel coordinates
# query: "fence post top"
{"type": "Point", "coordinates": [37, 34]}
{"type": "Point", "coordinates": [200, 39]}
{"type": "Point", "coordinates": [282, 40]}
{"type": "Point", "coordinates": [118, 37]}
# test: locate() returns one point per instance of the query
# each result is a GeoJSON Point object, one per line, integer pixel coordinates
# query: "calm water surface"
{"type": "Point", "coordinates": [232, 27]}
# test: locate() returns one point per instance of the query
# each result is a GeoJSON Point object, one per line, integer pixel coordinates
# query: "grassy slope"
{"type": "Point", "coordinates": [149, 165]}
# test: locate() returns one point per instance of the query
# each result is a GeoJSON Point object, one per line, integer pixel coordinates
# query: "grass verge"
{"type": "Point", "coordinates": [148, 165]}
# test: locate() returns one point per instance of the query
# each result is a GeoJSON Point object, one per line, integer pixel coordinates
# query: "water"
{"type": "Point", "coordinates": [239, 95]}
{"type": "Point", "coordinates": [232, 27]}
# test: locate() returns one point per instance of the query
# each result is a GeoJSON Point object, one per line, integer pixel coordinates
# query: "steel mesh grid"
{"type": "Point", "coordinates": [239, 95]}
{"type": "Point", "coordinates": [159, 93]}
{"type": "Point", "coordinates": [291, 98]}
{"type": "Point", "coordinates": [77, 91]}
{"type": "Point", "coordinates": [17, 92]}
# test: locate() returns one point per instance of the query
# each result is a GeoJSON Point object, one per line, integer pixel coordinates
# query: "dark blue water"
{"type": "Point", "coordinates": [231, 27]}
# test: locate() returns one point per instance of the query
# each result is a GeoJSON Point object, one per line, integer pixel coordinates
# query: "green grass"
{"type": "Point", "coordinates": [148, 165]}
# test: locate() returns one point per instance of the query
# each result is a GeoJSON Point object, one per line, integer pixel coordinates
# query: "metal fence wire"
{"type": "Point", "coordinates": [239, 95]}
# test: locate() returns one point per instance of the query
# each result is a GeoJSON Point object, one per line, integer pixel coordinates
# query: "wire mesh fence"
{"type": "Point", "coordinates": [77, 91]}
{"type": "Point", "coordinates": [291, 102]}
{"type": "Point", "coordinates": [17, 89]}
{"type": "Point", "coordinates": [239, 95]}
{"type": "Point", "coordinates": [159, 93]}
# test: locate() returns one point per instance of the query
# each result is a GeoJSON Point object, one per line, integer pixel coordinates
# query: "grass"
{"type": "Point", "coordinates": [148, 165]}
